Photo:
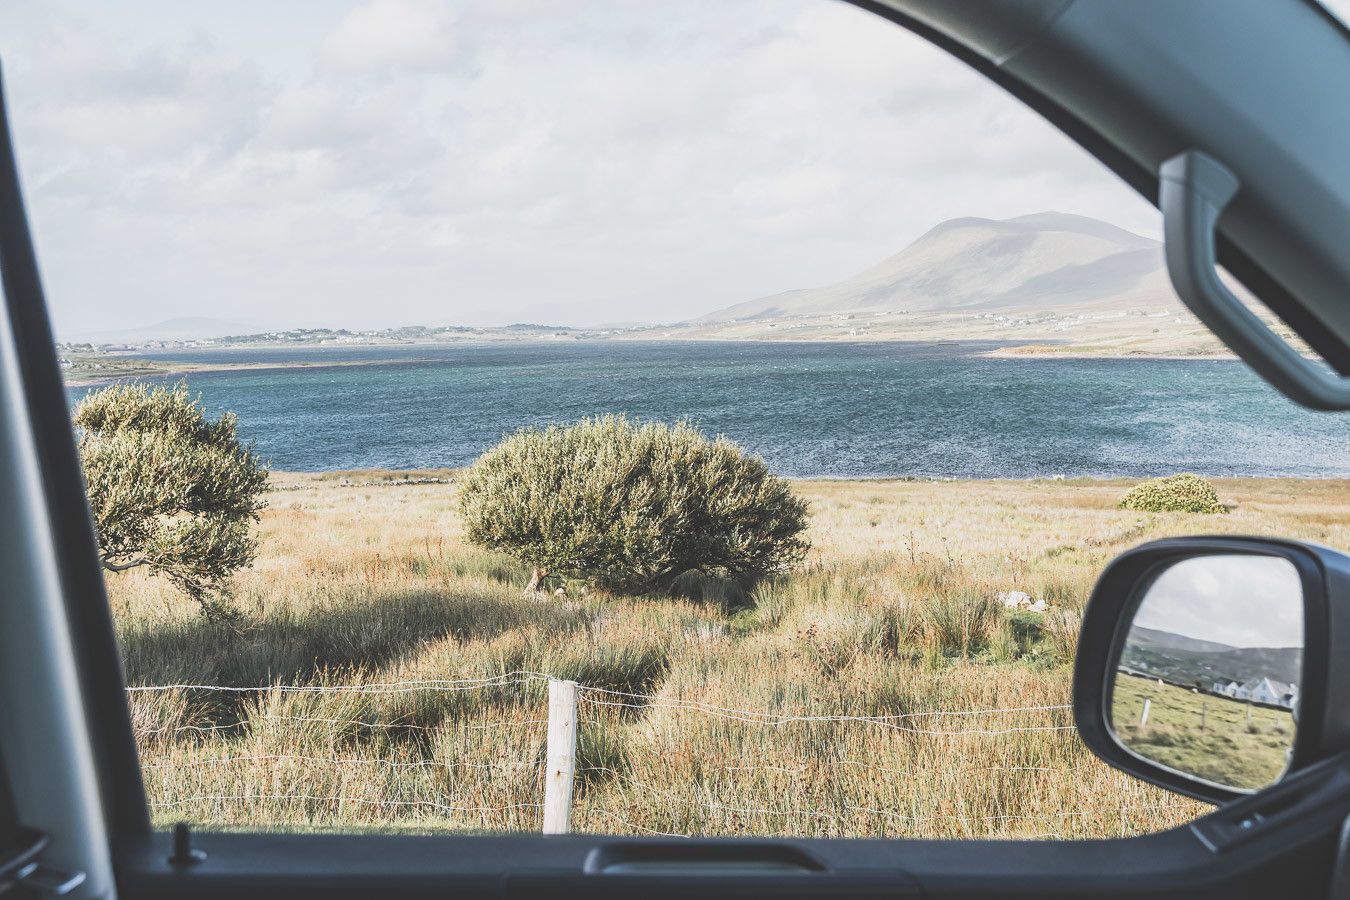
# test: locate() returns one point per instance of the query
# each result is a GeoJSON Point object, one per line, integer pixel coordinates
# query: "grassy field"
{"type": "Point", "coordinates": [882, 690]}
{"type": "Point", "coordinates": [1224, 740]}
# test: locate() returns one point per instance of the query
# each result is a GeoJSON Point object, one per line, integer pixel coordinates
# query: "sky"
{"type": "Point", "coordinates": [1239, 600]}
{"type": "Point", "coordinates": [376, 163]}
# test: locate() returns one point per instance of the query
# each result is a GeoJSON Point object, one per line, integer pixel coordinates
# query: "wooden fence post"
{"type": "Point", "coordinates": [561, 756]}
{"type": "Point", "coordinates": [1143, 717]}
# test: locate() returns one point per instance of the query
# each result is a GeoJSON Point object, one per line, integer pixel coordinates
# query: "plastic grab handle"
{"type": "Point", "coordinates": [1192, 192]}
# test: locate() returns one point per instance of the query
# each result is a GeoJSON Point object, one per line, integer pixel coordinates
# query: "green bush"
{"type": "Point", "coordinates": [630, 506]}
{"type": "Point", "coordinates": [1175, 493]}
{"type": "Point", "coordinates": [169, 489]}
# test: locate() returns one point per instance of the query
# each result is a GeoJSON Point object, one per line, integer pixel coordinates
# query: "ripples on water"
{"type": "Point", "coordinates": [810, 409]}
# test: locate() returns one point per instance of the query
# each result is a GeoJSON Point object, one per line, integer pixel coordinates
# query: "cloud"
{"type": "Point", "coordinates": [1242, 601]}
{"type": "Point", "coordinates": [483, 161]}
{"type": "Point", "coordinates": [400, 35]}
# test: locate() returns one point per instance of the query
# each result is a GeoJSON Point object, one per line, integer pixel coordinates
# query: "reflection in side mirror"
{"type": "Point", "coordinates": [1207, 678]}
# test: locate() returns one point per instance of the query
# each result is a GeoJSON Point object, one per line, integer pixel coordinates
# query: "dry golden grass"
{"type": "Point", "coordinates": [364, 580]}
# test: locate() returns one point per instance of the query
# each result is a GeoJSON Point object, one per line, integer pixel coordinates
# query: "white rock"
{"type": "Point", "coordinates": [1015, 599]}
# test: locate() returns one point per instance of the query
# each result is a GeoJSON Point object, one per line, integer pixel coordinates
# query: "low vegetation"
{"type": "Point", "coordinates": [1175, 493]}
{"type": "Point", "coordinates": [629, 506]}
{"type": "Point", "coordinates": [731, 714]}
{"type": "Point", "coordinates": [170, 489]}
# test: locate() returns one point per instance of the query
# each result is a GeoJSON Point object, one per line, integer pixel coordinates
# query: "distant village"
{"type": "Point", "coordinates": [1264, 690]}
{"type": "Point", "coordinates": [408, 334]}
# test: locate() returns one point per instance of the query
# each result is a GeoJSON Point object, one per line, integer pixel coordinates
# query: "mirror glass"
{"type": "Point", "coordinates": [1207, 678]}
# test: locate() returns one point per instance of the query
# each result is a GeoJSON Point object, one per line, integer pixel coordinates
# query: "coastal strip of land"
{"type": "Point", "coordinates": [90, 366]}
{"type": "Point", "coordinates": [883, 688]}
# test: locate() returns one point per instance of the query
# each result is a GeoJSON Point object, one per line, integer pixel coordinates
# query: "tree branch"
{"type": "Point", "coordinates": [122, 567]}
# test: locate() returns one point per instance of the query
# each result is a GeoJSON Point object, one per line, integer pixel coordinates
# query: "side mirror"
{"type": "Point", "coordinates": [1215, 666]}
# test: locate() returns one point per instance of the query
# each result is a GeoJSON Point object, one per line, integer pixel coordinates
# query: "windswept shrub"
{"type": "Point", "coordinates": [630, 506]}
{"type": "Point", "coordinates": [1175, 493]}
{"type": "Point", "coordinates": [170, 489]}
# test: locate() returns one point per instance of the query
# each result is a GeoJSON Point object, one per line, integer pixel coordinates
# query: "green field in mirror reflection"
{"type": "Point", "coordinates": [1222, 740]}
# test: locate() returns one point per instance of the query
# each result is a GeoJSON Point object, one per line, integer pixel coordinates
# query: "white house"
{"type": "Point", "coordinates": [1225, 688]}
{"type": "Point", "coordinates": [1267, 690]}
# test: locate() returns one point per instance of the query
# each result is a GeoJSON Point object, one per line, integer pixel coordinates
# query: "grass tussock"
{"type": "Point", "coordinates": [881, 689]}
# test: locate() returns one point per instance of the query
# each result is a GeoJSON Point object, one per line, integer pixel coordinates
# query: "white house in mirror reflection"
{"type": "Point", "coordinates": [1260, 690]}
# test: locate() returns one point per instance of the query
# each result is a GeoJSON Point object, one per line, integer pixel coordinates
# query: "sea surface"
{"type": "Point", "coordinates": [809, 409]}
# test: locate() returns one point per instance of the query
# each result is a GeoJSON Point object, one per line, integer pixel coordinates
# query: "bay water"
{"type": "Point", "coordinates": [844, 410]}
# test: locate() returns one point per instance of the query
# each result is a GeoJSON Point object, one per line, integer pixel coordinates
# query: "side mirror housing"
{"type": "Point", "coordinates": [1216, 666]}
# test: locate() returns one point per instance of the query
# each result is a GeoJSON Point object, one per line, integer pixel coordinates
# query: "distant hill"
{"type": "Point", "coordinates": [1033, 262]}
{"type": "Point", "coordinates": [192, 328]}
{"type": "Point", "coordinates": [1185, 660]}
{"type": "Point", "coordinates": [1166, 640]}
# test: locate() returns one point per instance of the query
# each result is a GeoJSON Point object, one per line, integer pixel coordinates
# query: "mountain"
{"type": "Point", "coordinates": [1186, 660]}
{"type": "Point", "coordinates": [1033, 262]}
{"type": "Point", "coordinates": [1152, 638]}
{"type": "Point", "coordinates": [192, 328]}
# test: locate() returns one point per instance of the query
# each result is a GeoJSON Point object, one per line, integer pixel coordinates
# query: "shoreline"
{"type": "Point", "coordinates": [183, 368]}
{"type": "Point", "coordinates": [1050, 351]}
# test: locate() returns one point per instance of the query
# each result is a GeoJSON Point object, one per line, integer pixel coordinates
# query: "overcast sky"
{"type": "Point", "coordinates": [1239, 600]}
{"type": "Point", "coordinates": [367, 163]}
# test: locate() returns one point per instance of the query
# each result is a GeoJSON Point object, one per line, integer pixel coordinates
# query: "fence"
{"type": "Point", "coordinates": [368, 753]}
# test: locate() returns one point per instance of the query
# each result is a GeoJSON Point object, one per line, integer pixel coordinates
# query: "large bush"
{"type": "Point", "coordinates": [169, 489]}
{"type": "Point", "coordinates": [1175, 493]}
{"type": "Point", "coordinates": [631, 506]}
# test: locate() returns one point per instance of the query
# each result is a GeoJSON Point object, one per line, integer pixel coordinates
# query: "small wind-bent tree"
{"type": "Point", "coordinates": [631, 506]}
{"type": "Point", "coordinates": [170, 489]}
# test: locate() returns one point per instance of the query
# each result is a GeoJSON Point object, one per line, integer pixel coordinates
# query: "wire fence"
{"type": "Point", "coordinates": [493, 753]}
